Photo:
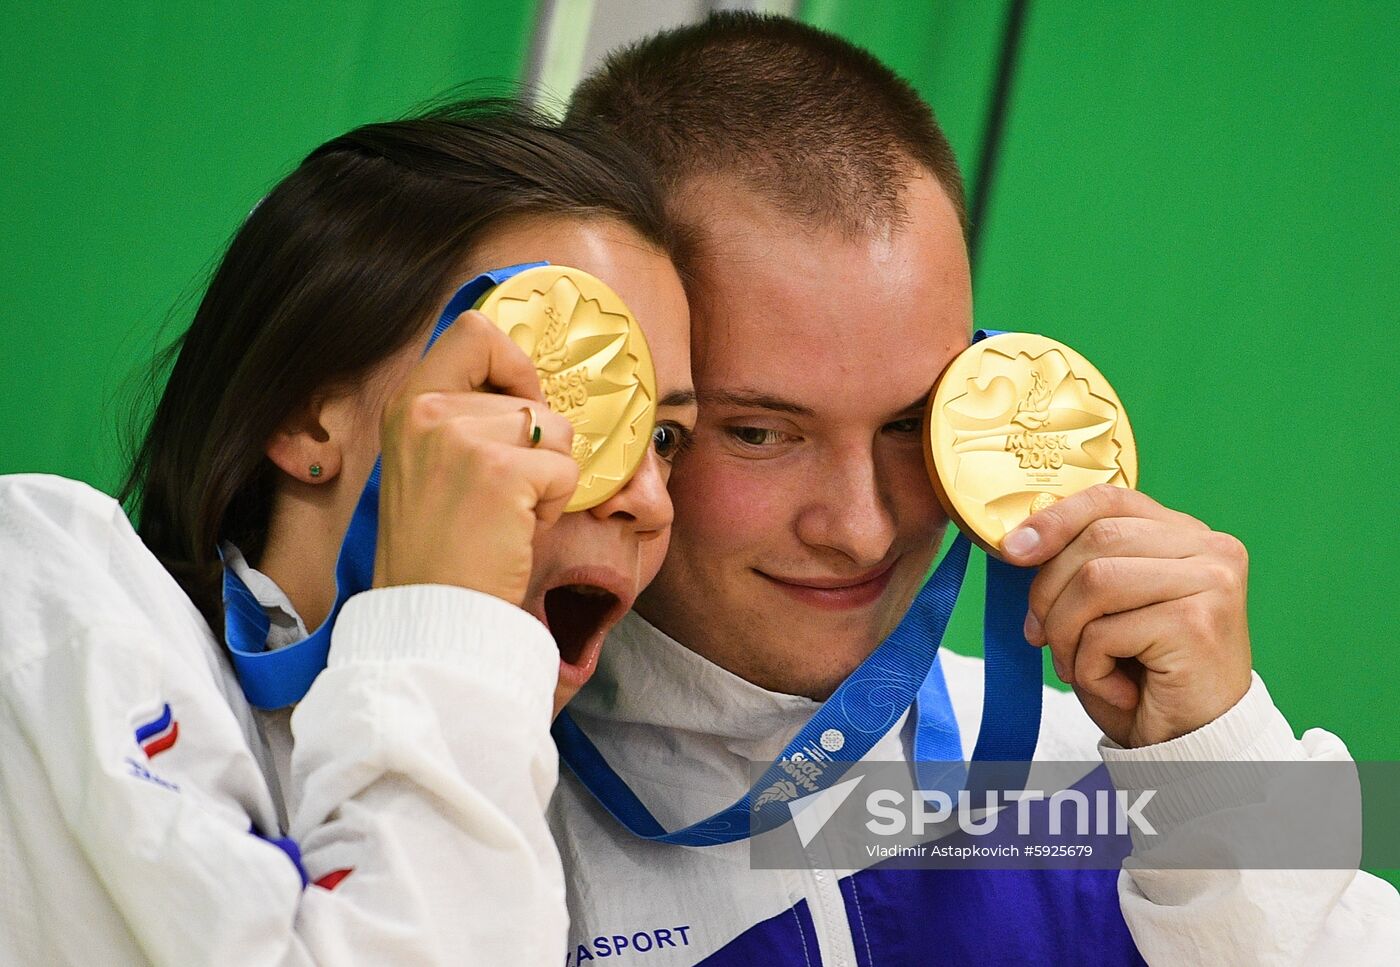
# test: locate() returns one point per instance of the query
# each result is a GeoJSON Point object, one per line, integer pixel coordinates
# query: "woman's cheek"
{"type": "Point", "coordinates": [547, 549]}
{"type": "Point", "coordinates": [651, 554]}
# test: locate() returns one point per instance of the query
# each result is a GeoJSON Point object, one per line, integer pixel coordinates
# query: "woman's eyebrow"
{"type": "Point", "coordinates": [678, 397]}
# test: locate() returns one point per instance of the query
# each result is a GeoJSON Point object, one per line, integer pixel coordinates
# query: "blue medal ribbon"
{"type": "Point", "coordinates": [903, 672]}
{"type": "Point", "coordinates": [276, 679]}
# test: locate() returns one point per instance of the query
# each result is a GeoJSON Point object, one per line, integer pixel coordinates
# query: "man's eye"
{"type": "Point", "coordinates": [670, 439]}
{"type": "Point", "coordinates": [754, 436]}
{"type": "Point", "coordinates": [911, 424]}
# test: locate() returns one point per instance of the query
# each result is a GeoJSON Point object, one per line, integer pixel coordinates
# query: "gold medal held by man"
{"type": "Point", "coordinates": [1016, 422]}
{"type": "Point", "coordinates": [594, 366]}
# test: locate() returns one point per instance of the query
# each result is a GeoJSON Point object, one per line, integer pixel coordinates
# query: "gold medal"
{"type": "Point", "coordinates": [1017, 422]}
{"type": "Point", "coordinates": [594, 366]}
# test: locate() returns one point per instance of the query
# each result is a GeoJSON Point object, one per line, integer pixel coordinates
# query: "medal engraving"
{"type": "Point", "coordinates": [1017, 422]}
{"type": "Point", "coordinates": [594, 367]}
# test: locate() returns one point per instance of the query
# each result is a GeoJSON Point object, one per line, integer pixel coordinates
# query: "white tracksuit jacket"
{"type": "Point", "coordinates": [143, 818]}
{"type": "Point", "coordinates": [681, 731]}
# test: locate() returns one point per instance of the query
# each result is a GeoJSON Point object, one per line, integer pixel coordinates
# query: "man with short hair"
{"type": "Point", "coordinates": [831, 288]}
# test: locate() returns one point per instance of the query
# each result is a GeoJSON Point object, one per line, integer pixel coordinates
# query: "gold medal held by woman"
{"type": "Point", "coordinates": [594, 366]}
{"type": "Point", "coordinates": [1016, 422]}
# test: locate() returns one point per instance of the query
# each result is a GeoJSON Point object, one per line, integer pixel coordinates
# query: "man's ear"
{"type": "Point", "coordinates": [309, 445]}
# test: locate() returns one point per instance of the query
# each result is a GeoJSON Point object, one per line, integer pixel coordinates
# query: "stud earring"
{"type": "Point", "coordinates": [315, 470]}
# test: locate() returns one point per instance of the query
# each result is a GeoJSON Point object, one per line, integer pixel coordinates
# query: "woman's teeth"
{"type": "Point", "coordinates": [588, 589]}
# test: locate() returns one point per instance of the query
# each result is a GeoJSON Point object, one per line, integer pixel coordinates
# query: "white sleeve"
{"type": "Point", "coordinates": [423, 762]}
{"type": "Point", "coordinates": [423, 765]}
{"type": "Point", "coordinates": [1250, 916]}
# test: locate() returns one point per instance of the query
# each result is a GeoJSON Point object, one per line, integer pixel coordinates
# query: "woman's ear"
{"type": "Point", "coordinates": [309, 445]}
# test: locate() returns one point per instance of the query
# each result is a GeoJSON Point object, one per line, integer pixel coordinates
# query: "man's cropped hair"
{"type": "Point", "coordinates": [813, 123]}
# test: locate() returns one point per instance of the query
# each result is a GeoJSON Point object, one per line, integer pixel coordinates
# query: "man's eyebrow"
{"type": "Point", "coordinates": [744, 399]}
{"type": "Point", "coordinates": [678, 397]}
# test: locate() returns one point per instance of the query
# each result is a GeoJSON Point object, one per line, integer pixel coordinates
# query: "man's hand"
{"type": "Point", "coordinates": [1143, 609]}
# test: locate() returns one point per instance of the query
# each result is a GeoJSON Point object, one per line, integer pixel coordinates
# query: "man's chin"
{"type": "Point", "coordinates": [820, 646]}
{"type": "Point", "coordinates": [818, 679]}
{"type": "Point", "coordinates": [774, 639]}
{"type": "Point", "coordinates": [808, 656]}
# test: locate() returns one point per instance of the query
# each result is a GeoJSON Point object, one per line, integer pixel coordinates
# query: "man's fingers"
{"type": "Point", "coordinates": [1112, 537]}
{"type": "Point", "coordinates": [1047, 533]}
{"type": "Point", "coordinates": [1109, 586]}
{"type": "Point", "coordinates": [1097, 668]}
{"type": "Point", "coordinates": [1108, 643]}
{"type": "Point", "coordinates": [471, 355]}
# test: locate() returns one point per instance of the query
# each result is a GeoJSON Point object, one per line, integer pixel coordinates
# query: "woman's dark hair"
{"type": "Point", "coordinates": [333, 272]}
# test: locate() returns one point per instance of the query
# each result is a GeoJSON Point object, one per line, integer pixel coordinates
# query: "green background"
{"type": "Point", "coordinates": [1206, 203]}
{"type": "Point", "coordinates": [135, 143]}
{"type": "Point", "coordinates": [1203, 198]}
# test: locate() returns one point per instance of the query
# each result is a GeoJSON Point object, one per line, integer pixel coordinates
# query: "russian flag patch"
{"type": "Point", "coordinates": [159, 734]}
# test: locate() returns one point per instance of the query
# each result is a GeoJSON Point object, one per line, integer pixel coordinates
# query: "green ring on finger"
{"type": "Point", "coordinates": [533, 431]}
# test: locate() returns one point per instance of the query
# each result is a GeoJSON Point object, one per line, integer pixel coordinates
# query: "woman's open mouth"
{"type": "Point", "coordinates": [579, 608]}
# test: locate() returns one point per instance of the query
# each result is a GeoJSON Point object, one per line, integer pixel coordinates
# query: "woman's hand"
{"type": "Point", "coordinates": [461, 487]}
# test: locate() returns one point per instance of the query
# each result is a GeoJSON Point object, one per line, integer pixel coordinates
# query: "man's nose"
{"type": "Point", "coordinates": [643, 504]}
{"type": "Point", "coordinates": [849, 511]}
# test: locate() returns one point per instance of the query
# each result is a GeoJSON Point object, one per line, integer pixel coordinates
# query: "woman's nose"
{"type": "Point", "coordinates": [643, 504]}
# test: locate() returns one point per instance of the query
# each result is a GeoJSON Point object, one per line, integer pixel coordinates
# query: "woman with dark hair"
{"type": "Point", "coordinates": [149, 811]}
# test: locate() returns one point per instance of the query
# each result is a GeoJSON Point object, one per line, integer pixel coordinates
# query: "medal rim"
{"type": "Point", "coordinates": [937, 399]}
{"type": "Point", "coordinates": [539, 279]}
